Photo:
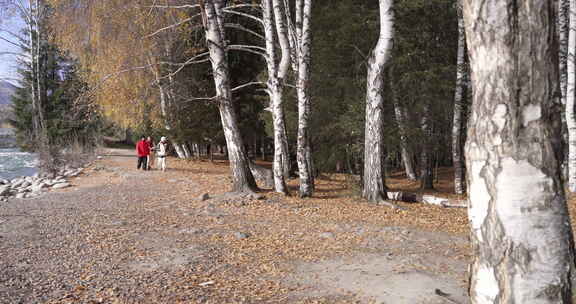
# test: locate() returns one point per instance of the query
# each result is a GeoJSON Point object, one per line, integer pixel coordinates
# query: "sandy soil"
{"type": "Point", "coordinates": [127, 236]}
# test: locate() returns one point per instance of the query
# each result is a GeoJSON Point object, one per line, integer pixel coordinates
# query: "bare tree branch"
{"type": "Point", "coordinates": [192, 60]}
{"type": "Point", "coordinates": [243, 5]}
{"type": "Point", "coordinates": [248, 84]}
{"type": "Point", "coordinates": [259, 20]}
{"type": "Point", "coordinates": [172, 26]}
{"type": "Point", "coordinates": [201, 98]}
{"type": "Point", "coordinates": [13, 54]}
{"type": "Point", "coordinates": [174, 6]}
{"type": "Point", "coordinates": [240, 27]}
{"type": "Point", "coordinates": [12, 43]}
{"type": "Point", "coordinates": [249, 49]}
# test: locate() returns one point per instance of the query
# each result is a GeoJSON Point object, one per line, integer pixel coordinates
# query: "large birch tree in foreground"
{"type": "Point", "coordinates": [374, 184]}
{"type": "Point", "coordinates": [242, 178]}
{"type": "Point", "coordinates": [521, 234]}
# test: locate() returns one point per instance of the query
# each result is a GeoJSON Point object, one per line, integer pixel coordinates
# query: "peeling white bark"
{"type": "Point", "coordinates": [303, 150]}
{"type": "Point", "coordinates": [275, 90]}
{"type": "Point", "coordinates": [521, 234]}
{"type": "Point", "coordinates": [374, 185]}
{"type": "Point", "coordinates": [242, 178]}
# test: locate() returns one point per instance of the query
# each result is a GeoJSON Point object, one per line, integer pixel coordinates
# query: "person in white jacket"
{"type": "Point", "coordinates": [161, 153]}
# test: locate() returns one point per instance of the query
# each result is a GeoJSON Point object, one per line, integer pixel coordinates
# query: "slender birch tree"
{"type": "Point", "coordinates": [300, 39]}
{"type": "Point", "coordinates": [374, 188]}
{"type": "Point", "coordinates": [402, 121]}
{"type": "Point", "coordinates": [457, 123]}
{"type": "Point", "coordinates": [242, 178]}
{"type": "Point", "coordinates": [570, 96]}
{"type": "Point", "coordinates": [426, 160]}
{"type": "Point", "coordinates": [521, 234]}
{"type": "Point", "coordinates": [273, 18]}
{"type": "Point", "coordinates": [283, 68]}
{"type": "Point", "coordinates": [563, 29]}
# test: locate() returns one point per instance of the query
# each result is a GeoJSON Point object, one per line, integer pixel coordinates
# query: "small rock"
{"type": "Point", "coordinates": [25, 184]}
{"type": "Point", "coordinates": [327, 235]}
{"type": "Point", "coordinates": [58, 181]}
{"type": "Point", "coordinates": [32, 194]}
{"type": "Point", "coordinates": [16, 182]}
{"type": "Point", "coordinates": [60, 185]}
{"type": "Point", "coordinates": [255, 196]}
{"type": "Point", "coordinates": [192, 230]}
{"type": "Point", "coordinates": [204, 197]}
{"type": "Point", "coordinates": [20, 195]}
{"type": "Point", "coordinates": [38, 187]}
{"type": "Point", "coordinates": [4, 190]}
{"type": "Point", "coordinates": [241, 235]}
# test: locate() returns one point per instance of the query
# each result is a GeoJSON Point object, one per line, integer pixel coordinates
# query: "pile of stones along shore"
{"type": "Point", "coordinates": [33, 186]}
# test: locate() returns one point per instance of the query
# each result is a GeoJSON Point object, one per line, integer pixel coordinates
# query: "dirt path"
{"type": "Point", "coordinates": [127, 236]}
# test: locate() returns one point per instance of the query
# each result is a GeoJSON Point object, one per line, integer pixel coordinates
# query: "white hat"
{"type": "Point", "coordinates": [163, 138]}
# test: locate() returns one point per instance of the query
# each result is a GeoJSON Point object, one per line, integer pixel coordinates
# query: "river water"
{"type": "Point", "coordinates": [14, 163]}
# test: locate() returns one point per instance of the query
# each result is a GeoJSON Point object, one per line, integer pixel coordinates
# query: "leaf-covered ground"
{"type": "Point", "coordinates": [127, 236]}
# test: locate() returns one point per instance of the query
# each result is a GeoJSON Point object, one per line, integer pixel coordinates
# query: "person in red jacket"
{"type": "Point", "coordinates": [143, 150]}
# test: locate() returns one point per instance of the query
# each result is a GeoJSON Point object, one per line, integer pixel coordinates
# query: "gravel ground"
{"type": "Point", "coordinates": [125, 236]}
{"type": "Point", "coordinates": [109, 241]}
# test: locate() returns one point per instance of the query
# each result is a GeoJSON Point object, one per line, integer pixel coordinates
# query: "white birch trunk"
{"type": "Point", "coordinates": [426, 161]}
{"type": "Point", "coordinates": [34, 16]}
{"type": "Point", "coordinates": [402, 121]}
{"type": "Point", "coordinates": [563, 32]}
{"type": "Point", "coordinates": [570, 96]}
{"type": "Point", "coordinates": [521, 234]}
{"type": "Point", "coordinates": [303, 150]}
{"type": "Point", "coordinates": [186, 151]}
{"type": "Point", "coordinates": [165, 109]}
{"type": "Point", "coordinates": [457, 123]}
{"type": "Point", "coordinates": [35, 74]}
{"type": "Point", "coordinates": [374, 185]}
{"type": "Point", "coordinates": [179, 151]}
{"type": "Point", "coordinates": [275, 91]}
{"type": "Point", "coordinates": [242, 178]}
{"type": "Point", "coordinates": [283, 67]}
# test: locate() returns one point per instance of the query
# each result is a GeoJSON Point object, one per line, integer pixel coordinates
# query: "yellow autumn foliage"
{"type": "Point", "coordinates": [111, 39]}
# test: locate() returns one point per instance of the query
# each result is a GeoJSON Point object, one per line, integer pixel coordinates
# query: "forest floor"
{"type": "Point", "coordinates": [127, 236]}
